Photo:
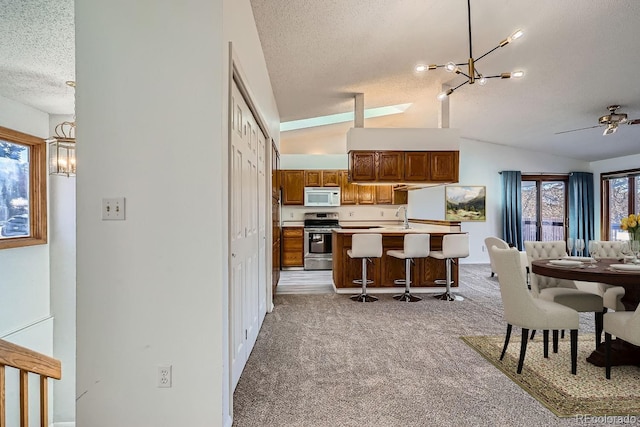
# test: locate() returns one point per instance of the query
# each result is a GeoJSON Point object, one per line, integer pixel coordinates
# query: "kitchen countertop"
{"type": "Point", "coordinates": [398, 229]}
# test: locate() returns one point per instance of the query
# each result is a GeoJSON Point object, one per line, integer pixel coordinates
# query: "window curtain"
{"type": "Point", "coordinates": [512, 208]}
{"type": "Point", "coordinates": [581, 206]}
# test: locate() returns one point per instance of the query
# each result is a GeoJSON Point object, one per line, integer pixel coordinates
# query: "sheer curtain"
{"type": "Point", "coordinates": [511, 182]}
{"type": "Point", "coordinates": [581, 206]}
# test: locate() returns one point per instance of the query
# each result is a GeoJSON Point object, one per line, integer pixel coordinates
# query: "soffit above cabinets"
{"type": "Point", "coordinates": [403, 139]}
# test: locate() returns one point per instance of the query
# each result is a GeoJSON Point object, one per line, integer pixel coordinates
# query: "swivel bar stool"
{"type": "Point", "coordinates": [415, 246]}
{"type": "Point", "coordinates": [453, 246]}
{"type": "Point", "coordinates": [365, 246]}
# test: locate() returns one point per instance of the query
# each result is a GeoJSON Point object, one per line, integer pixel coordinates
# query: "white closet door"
{"type": "Point", "coordinates": [247, 258]}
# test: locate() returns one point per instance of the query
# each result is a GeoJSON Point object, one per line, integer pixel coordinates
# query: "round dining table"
{"type": "Point", "coordinates": [600, 271]}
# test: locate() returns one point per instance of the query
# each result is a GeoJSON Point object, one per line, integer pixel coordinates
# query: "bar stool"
{"type": "Point", "coordinates": [453, 246]}
{"type": "Point", "coordinates": [415, 246]}
{"type": "Point", "coordinates": [365, 246]}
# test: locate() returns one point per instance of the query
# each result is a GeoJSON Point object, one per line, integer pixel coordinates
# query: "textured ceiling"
{"type": "Point", "coordinates": [579, 57]}
{"type": "Point", "coordinates": [37, 54]}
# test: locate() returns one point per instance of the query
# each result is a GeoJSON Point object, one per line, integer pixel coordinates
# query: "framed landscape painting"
{"type": "Point", "coordinates": [465, 203]}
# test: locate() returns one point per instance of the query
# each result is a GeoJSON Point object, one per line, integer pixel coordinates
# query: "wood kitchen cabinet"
{"type": "Point", "coordinates": [322, 178]}
{"type": "Point", "coordinates": [348, 191]}
{"type": "Point", "coordinates": [366, 194]}
{"type": "Point", "coordinates": [292, 246]}
{"type": "Point", "coordinates": [293, 187]}
{"type": "Point", "coordinates": [444, 166]}
{"type": "Point", "coordinates": [331, 178]}
{"type": "Point", "coordinates": [390, 166]}
{"type": "Point", "coordinates": [416, 166]}
{"type": "Point", "coordinates": [404, 166]}
{"type": "Point", "coordinates": [312, 178]}
{"type": "Point", "coordinates": [386, 195]}
{"type": "Point", "coordinates": [363, 166]}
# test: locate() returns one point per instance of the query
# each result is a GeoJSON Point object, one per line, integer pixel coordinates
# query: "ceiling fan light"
{"type": "Point", "coordinates": [451, 67]}
{"type": "Point", "coordinates": [612, 128]}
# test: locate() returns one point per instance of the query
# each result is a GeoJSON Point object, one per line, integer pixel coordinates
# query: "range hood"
{"type": "Point", "coordinates": [403, 139]}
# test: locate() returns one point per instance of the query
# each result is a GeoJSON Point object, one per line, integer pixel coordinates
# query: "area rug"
{"type": "Point", "coordinates": [551, 383]}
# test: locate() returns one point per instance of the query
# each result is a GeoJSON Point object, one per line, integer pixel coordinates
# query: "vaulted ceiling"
{"type": "Point", "coordinates": [579, 56]}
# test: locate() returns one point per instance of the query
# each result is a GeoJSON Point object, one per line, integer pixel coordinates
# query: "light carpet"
{"type": "Point", "coordinates": [551, 382]}
{"type": "Point", "coordinates": [324, 360]}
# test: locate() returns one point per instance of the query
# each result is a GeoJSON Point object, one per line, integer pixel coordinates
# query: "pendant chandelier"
{"type": "Point", "coordinates": [473, 74]}
{"type": "Point", "coordinates": [62, 148]}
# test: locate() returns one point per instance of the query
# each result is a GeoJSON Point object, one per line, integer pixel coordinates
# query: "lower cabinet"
{"type": "Point", "coordinates": [292, 247]}
{"type": "Point", "coordinates": [384, 270]}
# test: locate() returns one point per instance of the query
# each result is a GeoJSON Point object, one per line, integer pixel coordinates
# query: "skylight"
{"type": "Point", "coordinates": [342, 117]}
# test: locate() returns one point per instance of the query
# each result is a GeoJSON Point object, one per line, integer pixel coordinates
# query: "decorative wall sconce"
{"type": "Point", "coordinates": [62, 147]}
{"type": "Point", "coordinates": [62, 150]}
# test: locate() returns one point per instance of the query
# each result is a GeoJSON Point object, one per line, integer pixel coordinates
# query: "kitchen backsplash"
{"type": "Point", "coordinates": [347, 213]}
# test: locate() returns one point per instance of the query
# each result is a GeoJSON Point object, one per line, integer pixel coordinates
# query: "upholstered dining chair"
{"type": "Point", "coordinates": [611, 295]}
{"type": "Point", "coordinates": [624, 325]}
{"type": "Point", "coordinates": [521, 309]}
{"type": "Point", "coordinates": [562, 291]}
{"type": "Point", "coordinates": [491, 242]}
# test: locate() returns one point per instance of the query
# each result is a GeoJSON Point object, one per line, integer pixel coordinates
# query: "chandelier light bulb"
{"type": "Point", "coordinates": [450, 67]}
{"type": "Point", "coordinates": [421, 68]}
{"type": "Point", "coordinates": [444, 94]}
{"type": "Point", "coordinates": [516, 35]}
{"type": "Point", "coordinates": [517, 74]}
{"type": "Point", "coordinates": [482, 80]}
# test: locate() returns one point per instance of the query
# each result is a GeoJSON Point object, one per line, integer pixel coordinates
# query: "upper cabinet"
{"type": "Point", "coordinates": [322, 178]}
{"type": "Point", "coordinates": [331, 178]}
{"type": "Point", "coordinates": [411, 167]}
{"type": "Point", "coordinates": [293, 187]}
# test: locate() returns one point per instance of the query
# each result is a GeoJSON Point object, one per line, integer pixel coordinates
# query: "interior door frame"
{"type": "Point", "coordinates": [236, 75]}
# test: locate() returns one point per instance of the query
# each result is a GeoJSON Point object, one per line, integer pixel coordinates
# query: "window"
{"type": "Point", "coordinates": [620, 195]}
{"type": "Point", "coordinates": [544, 207]}
{"type": "Point", "coordinates": [23, 192]}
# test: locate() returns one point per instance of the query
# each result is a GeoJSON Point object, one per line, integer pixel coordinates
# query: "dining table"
{"type": "Point", "coordinates": [601, 271]}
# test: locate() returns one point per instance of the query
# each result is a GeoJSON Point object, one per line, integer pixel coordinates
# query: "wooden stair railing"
{"type": "Point", "coordinates": [27, 361]}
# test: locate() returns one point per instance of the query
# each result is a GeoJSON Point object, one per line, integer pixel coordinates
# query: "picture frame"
{"type": "Point", "coordinates": [465, 203]}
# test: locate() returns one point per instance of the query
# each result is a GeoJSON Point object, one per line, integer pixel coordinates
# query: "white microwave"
{"type": "Point", "coordinates": [321, 196]}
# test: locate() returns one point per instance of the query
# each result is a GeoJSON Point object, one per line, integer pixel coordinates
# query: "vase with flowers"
{"type": "Point", "coordinates": [632, 225]}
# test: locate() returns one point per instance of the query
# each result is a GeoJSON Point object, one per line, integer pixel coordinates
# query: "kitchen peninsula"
{"type": "Point", "coordinates": [383, 271]}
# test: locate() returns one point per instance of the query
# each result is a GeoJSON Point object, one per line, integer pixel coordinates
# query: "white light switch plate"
{"type": "Point", "coordinates": [113, 209]}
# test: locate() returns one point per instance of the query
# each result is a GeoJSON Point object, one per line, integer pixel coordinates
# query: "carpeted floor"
{"type": "Point", "coordinates": [324, 360]}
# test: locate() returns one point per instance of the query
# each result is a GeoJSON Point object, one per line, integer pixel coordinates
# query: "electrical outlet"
{"type": "Point", "coordinates": [351, 213]}
{"type": "Point", "coordinates": [381, 213]}
{"type": "Point", "coordinates": [482, 248]}
{"type": "Point", "coordinates": [113, 209]}
{"type": "Point", "coordinates": [164, 376]}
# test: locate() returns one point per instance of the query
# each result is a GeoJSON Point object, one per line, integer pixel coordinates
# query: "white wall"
{"type": "Point", "coordinates": [480, 163]}
{"type": "Point", "coordinates": [150, 288]}
{"type": "Point", "coordinates": [152, 97]}
{"type": "Point", "coordinates": [62, 242]}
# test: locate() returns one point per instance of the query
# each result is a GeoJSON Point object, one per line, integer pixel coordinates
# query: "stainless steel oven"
{"type": "Point", "coordinates": [317, 240]}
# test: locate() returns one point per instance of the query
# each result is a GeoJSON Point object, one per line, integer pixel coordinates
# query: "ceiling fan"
{"type": "Point", "coordinates": [611, 121]}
